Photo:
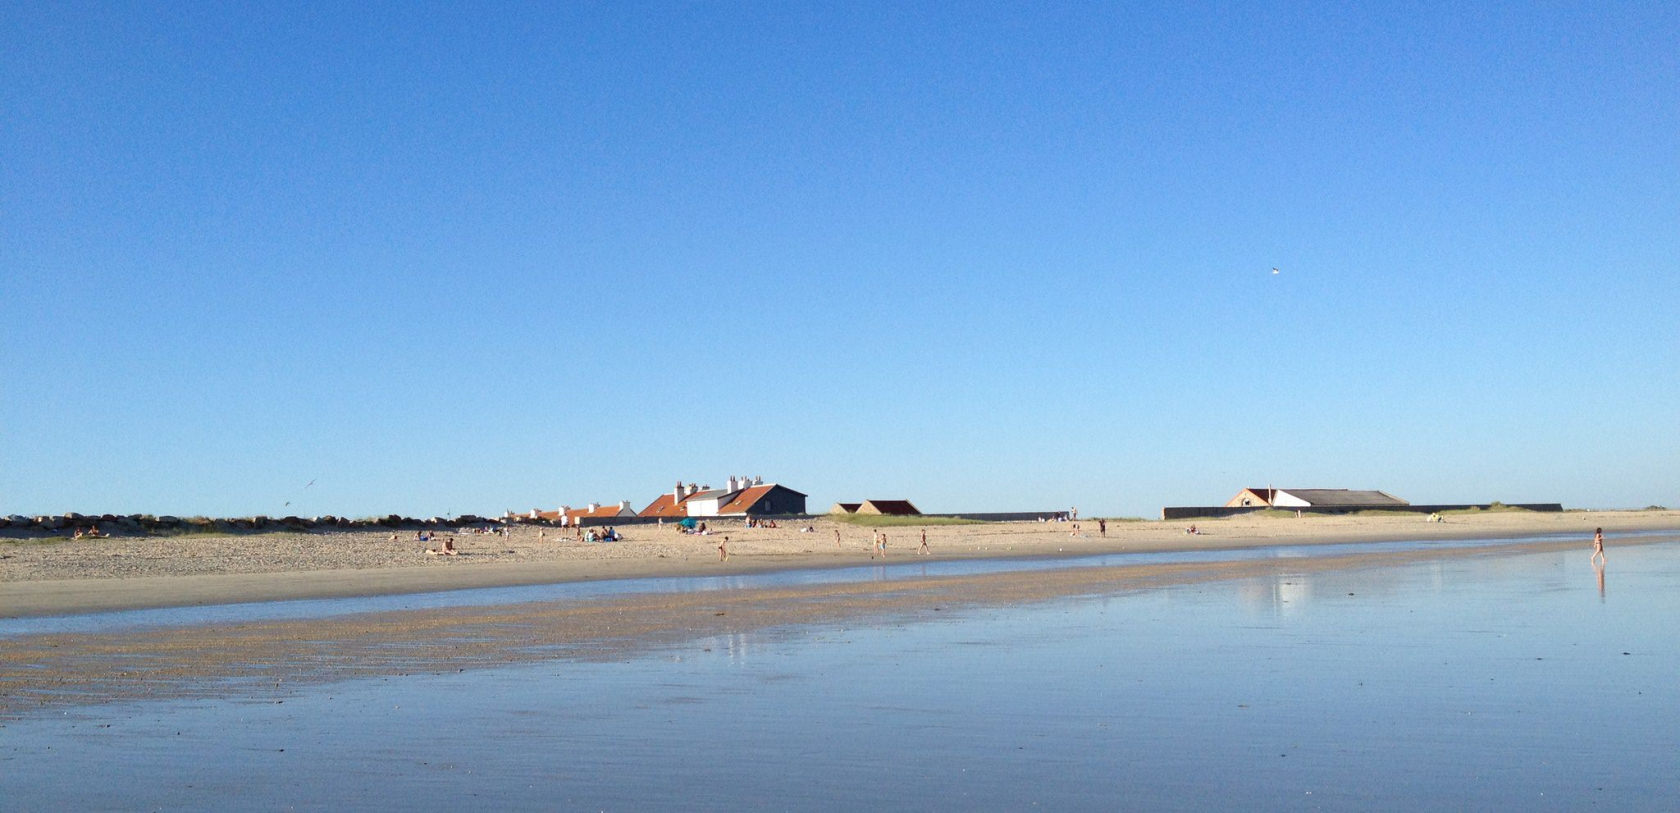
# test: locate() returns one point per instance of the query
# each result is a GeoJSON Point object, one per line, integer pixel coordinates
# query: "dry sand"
{"type": "Point", "coordinates": [51, 577]}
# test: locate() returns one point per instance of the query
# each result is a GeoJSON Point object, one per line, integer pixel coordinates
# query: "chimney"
{"type": "Point", "coordinates": [731, 484]}
{"type": "Point", "coordinates": [593, 506]}
{"type": "Point", "coordinates": [758, 481]}
{"type": "Point", "coordinates": [693, 489]}
{"type": "Point", "coordinates": [676, 496]}
{"type": "Point", "coordinates": [623, 504]}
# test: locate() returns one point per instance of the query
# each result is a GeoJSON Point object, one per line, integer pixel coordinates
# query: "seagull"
{"type": "Point", "coordinates": [1274, 270]}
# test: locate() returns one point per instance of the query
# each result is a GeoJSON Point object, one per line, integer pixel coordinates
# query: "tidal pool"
{"type": "Point", "coordinates": [1470, 682]}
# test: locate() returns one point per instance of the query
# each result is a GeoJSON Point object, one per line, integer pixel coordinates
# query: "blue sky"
{"type": "Point", "coordinates": [448, 258]}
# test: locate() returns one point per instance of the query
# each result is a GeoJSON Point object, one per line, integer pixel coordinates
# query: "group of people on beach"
{"type": "Point", "coordinates": [92, 532]}
{"type": "Point", "coordinates": [878, 543]}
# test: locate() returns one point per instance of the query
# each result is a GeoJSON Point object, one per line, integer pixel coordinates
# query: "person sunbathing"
{"type": "Point", "coordinates": [448, 548]}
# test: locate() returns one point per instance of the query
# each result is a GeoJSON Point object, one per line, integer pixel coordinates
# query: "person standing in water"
{"type": "Point", "coordinates": [1598, 547]}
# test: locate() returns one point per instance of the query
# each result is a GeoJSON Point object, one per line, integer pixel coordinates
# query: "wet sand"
{"type": "Point", "coordinates": [1379, 683]}
{"type": "Point", "coordinates": [59, 577]}
{"type": "Point", "coordinates": [271, 656]}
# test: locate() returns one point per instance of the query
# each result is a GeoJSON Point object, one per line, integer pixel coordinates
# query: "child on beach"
{"type": "Point", "coordinates": [723, 550]}
{"type": "Point", "coordinates": [1598, 547]}
{"type": "Point", "coordinates": [924, 550]}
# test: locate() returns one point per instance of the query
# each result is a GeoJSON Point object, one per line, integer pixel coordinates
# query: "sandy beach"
{"type": "Point", "coordinates": [52, 577]}
{"type": "Point", "coordinates": [44, 578]}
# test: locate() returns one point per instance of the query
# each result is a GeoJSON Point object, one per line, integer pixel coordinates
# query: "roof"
{"type": "Point", "coordinates": [601, 510]}
{"type": "Point", "coordinates": [666, 506]}
{"type": "Point", "coordinates": [845, 507]}
{"type": "Point", "coordinates": [742, 501]}
{"type": "Point", "coordinates": [1339, 496]}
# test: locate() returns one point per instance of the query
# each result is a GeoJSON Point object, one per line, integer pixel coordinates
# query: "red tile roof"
{"type": "Point", "coordinates": [612, 510]}
{"type": "Point", "coordinates": [744, 500]}
{"type": "Point", "coordinates": [666, 506]}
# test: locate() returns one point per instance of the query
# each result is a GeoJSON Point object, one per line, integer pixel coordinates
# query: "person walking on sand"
{"type": "Point", "coordinates": [881, 543]}
{"type": "Point", "coordinates": [874, 543]}
{"type": "Point", "coordinates": [837, 538]}
{"type": "Point", "coordinates": [924, 549]}
{"type": "Point", "coordinates": [1598, 547]}
{"type": "Point", "coordinates": [723, 550]}
{"type": "Point", "coordinates": [1102, 527]}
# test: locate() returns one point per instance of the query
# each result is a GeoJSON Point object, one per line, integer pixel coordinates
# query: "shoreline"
{"type": "Point", "coordinates": [91, 576]}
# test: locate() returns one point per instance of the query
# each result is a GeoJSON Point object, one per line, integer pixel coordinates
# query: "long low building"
{"type": "Point", "coordinates": [1327, 501]}
{"type": "Point", "coordinates": [1313, 498]}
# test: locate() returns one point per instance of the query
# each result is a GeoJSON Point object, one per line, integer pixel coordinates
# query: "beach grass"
{"type": "Point", "coordinates": [1493, 507]}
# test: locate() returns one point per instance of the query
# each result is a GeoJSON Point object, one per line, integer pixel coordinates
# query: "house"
{"type": "Point", "coordinates": [1313, 498]}
{"type": "Point", "coordinates": [594, 510]}
{"type": "Point", "coordinates": [845, 508]}
{"type": "Point", "coordinates": [763, 499]}
{"type": "Point", "coordinates": [738, 498]}
{"type": "Point", "coordinates": [568, 515]}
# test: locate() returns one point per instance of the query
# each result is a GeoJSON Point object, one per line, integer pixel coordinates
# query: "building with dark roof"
{"type": "Point", "coordinates": [900, 508]}
{"type": "Point", "coordinates": [897, 508]}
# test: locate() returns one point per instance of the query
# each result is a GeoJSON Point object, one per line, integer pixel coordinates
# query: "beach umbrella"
{"type": "Point", "coordinates": [687, 522]}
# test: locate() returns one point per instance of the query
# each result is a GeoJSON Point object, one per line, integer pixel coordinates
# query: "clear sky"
{"type": "Point", "coordinates": [452, 257]}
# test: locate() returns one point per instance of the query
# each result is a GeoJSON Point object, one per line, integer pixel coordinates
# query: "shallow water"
{"type": "Point", "coordinates": [907, 567]}
{"type": "Point", "coordinates": [1472, 683]}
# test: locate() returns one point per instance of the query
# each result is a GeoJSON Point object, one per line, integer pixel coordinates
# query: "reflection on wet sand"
{"type": "Point", "coordinates": [1407, 683]}
{"type": "Point", "coordinates": [1276, 595]}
